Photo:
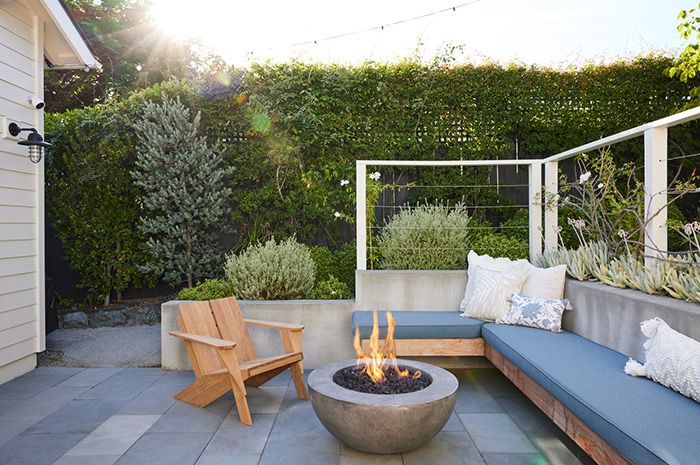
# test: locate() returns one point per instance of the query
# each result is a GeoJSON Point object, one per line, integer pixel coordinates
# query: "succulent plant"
{"type": "Point", "coordinates": [678, 276]}
{"type": "Point", "coordinates": [684, 278]}
{"type": "Point", "coordinates": [612, 274]}
{"type": "Point", "coordinates": [577, 262]}
{"type": "Point", "coordinates": [647, 279]}
{"type": "Point", "coordinates": [551, 258]}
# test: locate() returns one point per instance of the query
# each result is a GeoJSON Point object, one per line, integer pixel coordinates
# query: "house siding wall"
{"type": "Point", "coordinates": [21, 192]}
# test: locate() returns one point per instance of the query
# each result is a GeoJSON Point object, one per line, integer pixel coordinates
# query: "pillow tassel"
{"type": "Point", "coordinates": [649, 327]}
{"type": "Point", "coordinates": [634, 368]}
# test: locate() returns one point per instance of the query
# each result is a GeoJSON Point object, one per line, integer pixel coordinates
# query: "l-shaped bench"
{"type": "Point", "coordinates": [579, 384]}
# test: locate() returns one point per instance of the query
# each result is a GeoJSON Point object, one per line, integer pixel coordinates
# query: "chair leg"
{"type": "Point", "coordinates": [299, 381]}
{"type": "Point", "coordinates": [204, 391]}
{"type": "Point", "coordinates": [230, 359]}
{"type": "Point", "coordinates": [241, 402]}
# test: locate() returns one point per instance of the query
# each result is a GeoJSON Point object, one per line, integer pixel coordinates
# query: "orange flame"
{"type": "Point", "coordinates": [380, 357]}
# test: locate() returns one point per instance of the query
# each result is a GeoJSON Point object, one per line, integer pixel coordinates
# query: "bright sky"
{"type": "Point", "coordinates": [544, 32]}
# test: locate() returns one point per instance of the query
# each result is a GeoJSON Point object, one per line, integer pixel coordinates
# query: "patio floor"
{"type": "Point", "coordinates": [101, 416]}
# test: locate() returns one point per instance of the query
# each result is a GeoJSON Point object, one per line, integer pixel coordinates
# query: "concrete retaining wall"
{"type": "Point", "coordinates": [410, 290]}
{"type": "Point", "coordinates": [604, 314]}
{"type": "Point", "coordinates": [611, 316]}
{"type": "Point", "coordinates": [327, 334]}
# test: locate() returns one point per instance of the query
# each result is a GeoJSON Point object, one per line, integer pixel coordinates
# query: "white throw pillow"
{"type": "Point", "coordinates": [535, 313]}
{"type": "Point", "coordinates": [672, 359]}
{"type": "Point", "coordinates": [491, 291]}
{"type": "Point", "coordinates": [487, 263]}
{"type": "Point", "coordinates": [545, 283]}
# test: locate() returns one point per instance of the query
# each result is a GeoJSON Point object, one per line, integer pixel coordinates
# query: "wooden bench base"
{"type": "Point", "coordinates": [591, 443]}
{"type": "Point", "coordinates": [429, 347]}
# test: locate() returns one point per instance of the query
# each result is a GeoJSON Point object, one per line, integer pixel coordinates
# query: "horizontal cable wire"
{"type": "Point", "coordinates": [466, 247]}
{"type": "Point", "coordinates": [450, 229]}
{"type": "Point", "coordinates": [495, 186]}
{"type": "Point", "coordinates": [681, 156]}
{"type": "Point", "coordinates": [394, 207]}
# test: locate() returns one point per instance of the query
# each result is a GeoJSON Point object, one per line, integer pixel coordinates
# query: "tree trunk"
{"type": "Point", "coordinates": [189, 254]}
{"type": "Point", "coordinates": [119, 275]}
{"type": "Point", "coordinates": [109, 285]}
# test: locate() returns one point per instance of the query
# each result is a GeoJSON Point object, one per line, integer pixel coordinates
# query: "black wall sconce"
{"type": "Point", "coordinates": [34, 141]}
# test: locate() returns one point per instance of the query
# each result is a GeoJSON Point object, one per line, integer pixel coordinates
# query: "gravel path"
{"type": "Point", "coordinates": [132, 346]}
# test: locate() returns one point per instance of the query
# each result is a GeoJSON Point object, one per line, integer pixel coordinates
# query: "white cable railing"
{"type": "Point", "coordinates": [655, 136]}
{"type": "Point", "coordinates": [535, 179]}
{"type": "Point", "coordinates": [655, 179]}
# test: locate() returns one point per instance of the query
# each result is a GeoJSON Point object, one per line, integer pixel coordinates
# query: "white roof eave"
{"type": "Point", "coordinates": [67, 30]}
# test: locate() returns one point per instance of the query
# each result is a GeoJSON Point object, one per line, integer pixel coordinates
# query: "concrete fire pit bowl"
{"type": "Point", "coordinates": [383, 423]}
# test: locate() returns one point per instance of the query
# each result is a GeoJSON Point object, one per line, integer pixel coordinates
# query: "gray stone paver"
{"type": "Point", "coordinates": [103, 416]}
{"type": "Point", "coordinates": [115, 436]}
{"type": "Point", "coordinates": [87, 460]}
{"type": "Point", "coordinates": [89, 377]}
{"type": "Point", "coordinates": [497, 433]}
{"type": "Point", "coordinates": [29, 412]}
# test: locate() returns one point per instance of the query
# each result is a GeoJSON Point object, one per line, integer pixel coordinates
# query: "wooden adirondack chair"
{"type": "Point", "coordinates": [223, 356]}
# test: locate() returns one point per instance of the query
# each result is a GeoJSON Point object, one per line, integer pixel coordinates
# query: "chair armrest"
{"type": "Point", "coordinates": [273, 324]}
{"type": "Point", "coordinates": [206, 340]}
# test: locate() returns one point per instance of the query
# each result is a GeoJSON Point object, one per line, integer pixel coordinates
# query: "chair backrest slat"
{"type": "Point", "coordinates": [232, 327]}
{"type": "Point", "coordinates": [197, 319]}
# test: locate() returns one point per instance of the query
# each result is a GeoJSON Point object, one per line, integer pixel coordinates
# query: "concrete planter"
{"type": "Point", "coordinates": [602, 313]}
{"type": "Point", "coordinates": [611, 316]}
{"type": "Point", "coordinates": [327, 335]}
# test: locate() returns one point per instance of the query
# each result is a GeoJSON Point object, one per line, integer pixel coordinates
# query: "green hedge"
{"type": "Point", "coordinates": [293, 131]}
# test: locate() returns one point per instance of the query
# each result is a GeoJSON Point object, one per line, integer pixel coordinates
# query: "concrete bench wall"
{"type": "Point", "coordinates": [604, 314]}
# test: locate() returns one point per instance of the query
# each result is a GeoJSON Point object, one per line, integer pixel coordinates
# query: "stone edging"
{"type": "Point", "coordinates": [129, 316]}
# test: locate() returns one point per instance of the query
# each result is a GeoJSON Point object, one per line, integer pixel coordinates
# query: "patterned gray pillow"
{"type": "Point", "coordinates": [535, 313]}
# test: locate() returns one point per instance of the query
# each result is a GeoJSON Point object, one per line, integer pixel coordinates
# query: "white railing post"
{"type": "Point", "coordinates": [361, 214]}
{"type": "Point", "coordinates": [535, 203]}
{"type": "Point", "coordinates": [551, 215]}
{"type": "Point", "coordinates": [655, 196]}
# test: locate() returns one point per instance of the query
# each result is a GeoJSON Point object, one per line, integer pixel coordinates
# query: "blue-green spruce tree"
{"type": "Point", "coordinates": [184, 195]}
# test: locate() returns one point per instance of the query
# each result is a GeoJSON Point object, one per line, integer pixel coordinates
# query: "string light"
{"type": "Point", "coordinates": [364, 31]}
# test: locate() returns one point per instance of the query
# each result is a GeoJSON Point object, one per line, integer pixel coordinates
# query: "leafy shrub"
{"type": "Point", "coordinates": [499, 245]}
{"type": "Point", "coordinates": [346, 264]}
{"type": "Point", "coordinates": [207, 290]}
{"type": "Point", "coordinates": [325, 262]}
{"type": "Point", "coordinates": [331, 289]}
{"type": "Point", "coordinates": [272, 271]}
{"type": "Point", "coordinates": [339, 264]}
{"type": "Point", "coordinates": [518, 227]}
{"type": "Point", "coordinates": [427, 237]}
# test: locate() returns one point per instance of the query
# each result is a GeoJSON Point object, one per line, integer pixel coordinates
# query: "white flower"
{"type": "Point", "coordinates": [601, 185]}
{"type": "Point", "coordinates": [688, 228]}
{"type": "Point", "coordinates": [556, 198]}
{"type": "Point", "coordinates": [344, 182]}
{"type": "Point", "coordinates": [375, 176]}
{"type": "Point", "coordinates": [584, 177]}
{"type": "Point", "coordinates": [336, 214]}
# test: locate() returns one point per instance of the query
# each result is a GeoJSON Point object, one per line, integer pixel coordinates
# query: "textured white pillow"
{"type": "Point", "coordinates": [487, 263]}
{"type": "Point", "coordinates": [491, 291]}
{"type": "Point", "coordinates": [545, 283]}
{"type": "Point", "coordinates": [672, 359]}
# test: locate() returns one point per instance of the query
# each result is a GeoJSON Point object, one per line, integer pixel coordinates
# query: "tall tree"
{"type": "Point", "coordinates": [688, 63]}
{"type": "Point", "coordinates": [183, 191]}
{"type": "Point", "coordinates": [134, 54]}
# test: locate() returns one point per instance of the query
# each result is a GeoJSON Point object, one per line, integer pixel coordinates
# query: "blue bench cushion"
{"type": "Point", "coordinates": [644, 421]}
{"type": "Point", "coordinates": [419, 325]}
